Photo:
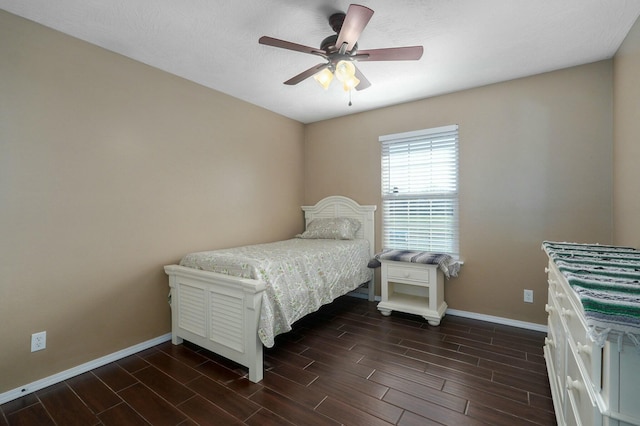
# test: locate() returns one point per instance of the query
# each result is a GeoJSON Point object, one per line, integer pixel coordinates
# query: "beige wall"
{"type": "Point", "coordinates": [110, 169]}
{"type": "Point", "coordinates": [535, 164]}
{"type": "Point", "coordinates": [626, 134]}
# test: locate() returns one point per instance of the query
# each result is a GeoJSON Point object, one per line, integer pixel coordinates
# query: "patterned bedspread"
{"type": "Point", "coordinates": [607, 282]}
{"type": "Point", "coordinates": [300, 275]}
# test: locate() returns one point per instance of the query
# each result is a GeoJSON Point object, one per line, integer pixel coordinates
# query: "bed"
{"type": "Point", "coordinates": [233, 302]}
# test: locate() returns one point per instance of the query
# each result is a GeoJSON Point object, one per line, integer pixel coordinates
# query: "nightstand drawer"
{"type": "Point", "coordinates": [408, 272]}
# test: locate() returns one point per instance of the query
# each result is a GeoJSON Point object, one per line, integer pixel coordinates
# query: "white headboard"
{"type": "Point", "coordinates": [339, 206]}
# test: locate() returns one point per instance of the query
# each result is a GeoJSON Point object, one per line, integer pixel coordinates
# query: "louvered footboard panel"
{"type": "Point", "coordinates": [192, 312]}
{"type": "Point", "coordinates": [227, 320]}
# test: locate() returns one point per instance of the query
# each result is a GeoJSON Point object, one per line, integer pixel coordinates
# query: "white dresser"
{"type": "Point", "coordinates": [590, 385]}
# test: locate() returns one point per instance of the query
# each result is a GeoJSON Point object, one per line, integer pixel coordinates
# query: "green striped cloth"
{"type": "Point", "coordinates": [607, 282]}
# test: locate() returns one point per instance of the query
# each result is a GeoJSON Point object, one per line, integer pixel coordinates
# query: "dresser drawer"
{"type": "Point", "coordinates": [586, 351]}
{"type": "Point", "coordinates": [575, 323]}
{"type": "Point", "coordinates": [560, 295]}
{"type": "Point", "coordinates": [555, 345]}
{"type": "Point", "coordinates": [580, 406]}
{"type": "Point", "coordinates": [552, 276]}
{"type": "Point", "coordinates": [404, 271]}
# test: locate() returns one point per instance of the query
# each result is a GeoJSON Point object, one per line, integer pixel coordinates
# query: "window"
{"type": "Point", "coordinates": [420, 190]}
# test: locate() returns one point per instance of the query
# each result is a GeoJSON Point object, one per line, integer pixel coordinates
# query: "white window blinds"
{"type": "Point", "coordinates": [420, 190]}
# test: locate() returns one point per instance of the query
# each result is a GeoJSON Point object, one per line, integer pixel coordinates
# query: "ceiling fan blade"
{"type": "Point", "coordinates": [354, 22]}
{"type": "Point", "coordinates": [409, 53]}
{"type": "Point", "coordinates": [270, 41]}
{"type": "Point", "coordinates": [364, 83]}
{"type": "Point", "coordinates": [306, 74]}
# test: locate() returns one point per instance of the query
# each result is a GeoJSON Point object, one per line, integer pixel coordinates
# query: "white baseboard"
{"type": "Point", "coordinates": [473, 315]}
{"type": "Point", "coordinates": [88, 366]}
{"type": "Point", "coordinates": [498, 320]}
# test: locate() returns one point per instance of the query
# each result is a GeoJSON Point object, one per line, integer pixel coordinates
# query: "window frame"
{"type": "Point", "coordinates": [434, 190]}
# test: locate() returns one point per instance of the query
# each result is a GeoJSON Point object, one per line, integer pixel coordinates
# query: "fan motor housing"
{"type": "Point", "coordinates": [329, 44]}
{"type": "Point", "coordinates": [336, 20]}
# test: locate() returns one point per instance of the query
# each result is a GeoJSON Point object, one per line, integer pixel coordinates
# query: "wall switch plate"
{"type": "Point", "coordinates": [528, 296]}
{"type": "Point", "coordinates": [38, 341]}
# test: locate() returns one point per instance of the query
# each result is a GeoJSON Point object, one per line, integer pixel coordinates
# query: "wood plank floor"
{"type": "Point", "coordinates": [345, 364]}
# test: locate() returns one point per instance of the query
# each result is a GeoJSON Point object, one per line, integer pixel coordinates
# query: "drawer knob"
{"type": "Point", "coordinates": [549, 308]}
{"type": "Point", "coordinates": [573, 384]}
{"type": "Point", "coordinates": [583, 349]}
{"type": "Point", "coordinates": [549, 342]}
{"type": "Point", "coordinates": [559, 295]}
{"type": "Point", "coordinates": [546, 270]}
{"type": "Point", "coordinates": [407, 274]}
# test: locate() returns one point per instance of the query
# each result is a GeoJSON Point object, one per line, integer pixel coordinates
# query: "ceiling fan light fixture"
{"type": "Point", "coordinates": [340, 50]}
{"type": "Point", "coordinates": [350, 83]}
{"type": "Point", "coordinates": [324, 78]}
{"type": "Point", "coordinates": [345, 71]}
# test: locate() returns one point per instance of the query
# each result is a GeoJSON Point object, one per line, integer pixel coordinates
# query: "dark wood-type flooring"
{"type": "Point", "coordinates": [345, 364]}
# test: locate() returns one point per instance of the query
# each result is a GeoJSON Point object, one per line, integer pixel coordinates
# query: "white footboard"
{"type": "Point", "coordinates": [218, 312]}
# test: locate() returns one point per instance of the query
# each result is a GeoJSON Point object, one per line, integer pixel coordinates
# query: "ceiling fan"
{"type": "Point", "coordinates": [340, 51]}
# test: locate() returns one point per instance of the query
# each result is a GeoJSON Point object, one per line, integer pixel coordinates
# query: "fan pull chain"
{"type": "Point", "coordinates": [350, 97]}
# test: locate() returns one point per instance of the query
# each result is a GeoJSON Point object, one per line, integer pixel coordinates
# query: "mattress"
{"type": "Point", "coordinates": [300, 275]}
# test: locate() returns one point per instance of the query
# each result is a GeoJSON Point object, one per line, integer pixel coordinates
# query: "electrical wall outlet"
{"type": "Point", "coordinates": [528, 296]}
{"type": "Point", "coordinates": [38, 341]}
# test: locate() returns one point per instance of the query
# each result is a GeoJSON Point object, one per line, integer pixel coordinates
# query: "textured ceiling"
{"type": "Point", "coordinates": [467, 43]}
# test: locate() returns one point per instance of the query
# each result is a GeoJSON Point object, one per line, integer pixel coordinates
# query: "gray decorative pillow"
{"type": "Point", "coordinates": [332, 228]}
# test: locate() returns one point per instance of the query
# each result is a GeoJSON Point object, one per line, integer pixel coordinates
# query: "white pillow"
{"type": "Point", "coordinates": [332, 228]}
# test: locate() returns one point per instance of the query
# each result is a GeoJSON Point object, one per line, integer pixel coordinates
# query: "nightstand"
{"type": "Point", "coordinates": [413, 288]}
